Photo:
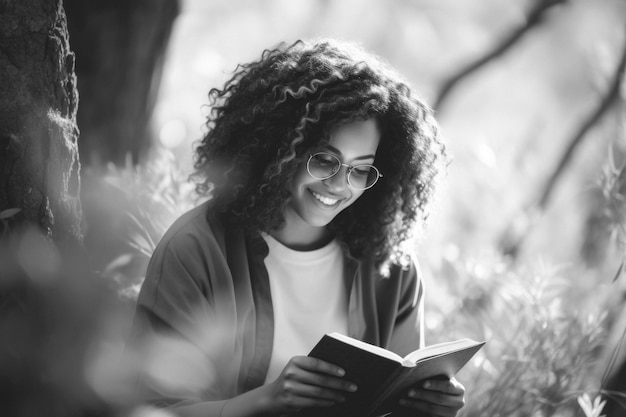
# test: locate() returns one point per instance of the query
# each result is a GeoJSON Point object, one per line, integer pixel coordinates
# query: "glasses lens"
{"type": "Point", "coordinates": [363, 176]}
{"type": "Point", "coordinates": [323, 165]}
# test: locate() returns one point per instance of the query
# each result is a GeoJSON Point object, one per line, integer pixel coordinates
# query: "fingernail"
{"type": "Point", "coordinates": [413, 393]}
{"type": "Point", "coordinates": [427, 384]}
{"type": "Point", "coordinates": [403, 402]}
{"type": "Point", "coordinates": [353, 387]}
{"type": "Point", "coordinates": [341, 372]}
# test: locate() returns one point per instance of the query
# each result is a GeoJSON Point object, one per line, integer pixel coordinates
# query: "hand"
{"type": "Point", "coordinates": [434, 398]}
{"type": "Point", "coordinates": [307, 382]}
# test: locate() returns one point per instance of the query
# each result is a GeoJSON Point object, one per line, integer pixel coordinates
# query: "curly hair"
{"type": "Point", "coordinates": [276, 109]}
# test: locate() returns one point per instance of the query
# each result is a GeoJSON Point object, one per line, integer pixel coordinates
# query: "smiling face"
{"type": "Point", "coordinates": [315, 203]}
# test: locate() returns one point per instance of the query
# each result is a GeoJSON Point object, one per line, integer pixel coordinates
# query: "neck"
{"type": "Point", "coordinates": [298, 235]}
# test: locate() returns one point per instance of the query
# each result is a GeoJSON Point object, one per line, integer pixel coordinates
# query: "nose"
{"type": "Point", "coordinates": [339, 181]}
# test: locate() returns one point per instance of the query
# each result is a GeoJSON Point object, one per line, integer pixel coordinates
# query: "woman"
{"type": "Point", "coordinates": [319, 162]}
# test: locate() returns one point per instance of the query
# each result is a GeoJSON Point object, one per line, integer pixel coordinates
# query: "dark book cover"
{"type": "Point", "coordinates": [383, 377]}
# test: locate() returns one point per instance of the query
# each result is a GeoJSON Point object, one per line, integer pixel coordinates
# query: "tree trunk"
{"type": "Point", "coordinates": [120, 48]}
{"type": "Point", "coordinates": [39, 165]}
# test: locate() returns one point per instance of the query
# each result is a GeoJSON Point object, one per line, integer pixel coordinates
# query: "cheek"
{"type": "Point", "coordinates": [298, 184]}
{"type": "Point", "coordinates": [298, 181]}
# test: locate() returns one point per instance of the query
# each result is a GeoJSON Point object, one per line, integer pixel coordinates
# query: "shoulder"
{"type": "Point", "coordinates": [193, 242]}
{"type": "Point", "coordinates": [196, 230]}
{"type": "Point", "coordinates": [195, 222]}
{"type": "Point", "coordinates": [190, 256]}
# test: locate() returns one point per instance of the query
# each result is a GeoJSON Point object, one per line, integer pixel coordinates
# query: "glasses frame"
{"type": "Point", "coordinates": [349, 169]}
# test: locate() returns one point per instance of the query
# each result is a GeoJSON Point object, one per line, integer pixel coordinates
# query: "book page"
{"type": "Point", "coordinates": [436, 350]}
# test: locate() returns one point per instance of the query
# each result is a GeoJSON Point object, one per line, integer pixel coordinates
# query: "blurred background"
{"type": "Point", "coordinates": [525, 246]}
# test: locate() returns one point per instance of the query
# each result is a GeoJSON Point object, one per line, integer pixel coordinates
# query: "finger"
{"type": "Point", "coordinates": [318, 372]}
{"type": "Point", "coordinates": [449, 386]}
{"type": "Point", "coordinates": [307, 392]}
{"type": "Point", "coordinates": [317, 365]}
{"type": "Point", "coordinates": [322, 380]}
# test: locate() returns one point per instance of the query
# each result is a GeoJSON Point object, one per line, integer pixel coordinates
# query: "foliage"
{"type": "Point", "coordinates": [140, 203]}
{"type": "Point", "coordinates": [543, 332]}
{"type": "Point", "coordinates": [591, 409]}
{"type": "Point", "coordinates": [553, 331]}
{"type": "Point", "coordinates": [612, 184]}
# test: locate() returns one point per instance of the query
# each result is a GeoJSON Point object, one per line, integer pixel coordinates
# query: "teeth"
{"type": "Point", "coordinates": [324, 200]}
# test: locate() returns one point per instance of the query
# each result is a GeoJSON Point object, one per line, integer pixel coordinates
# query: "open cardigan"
{"type": "Point", "coordinates": [208, 285]}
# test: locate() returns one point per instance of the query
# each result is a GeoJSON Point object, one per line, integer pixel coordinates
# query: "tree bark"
{"type": "Point", "coordinates": [120, 48]}
{"type": "Point", "coordinates": [39, 164]}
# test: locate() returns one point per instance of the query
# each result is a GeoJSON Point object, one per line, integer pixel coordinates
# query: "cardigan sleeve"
{"type": "Point", "coordinates": [182, 327]}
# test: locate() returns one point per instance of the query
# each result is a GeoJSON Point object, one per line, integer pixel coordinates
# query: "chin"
{"type": "Point", "coordinates": [318, 221]}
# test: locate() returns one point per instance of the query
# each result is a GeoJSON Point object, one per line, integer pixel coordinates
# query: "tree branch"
{"type": "Point", "coordinates": [513, 239]}
{"type": "Point", "coordinates": [607, 101]}
{"type": "Point", "coordinates": [535, 17]}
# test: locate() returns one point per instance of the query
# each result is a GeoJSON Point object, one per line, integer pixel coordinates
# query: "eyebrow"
{"type": "Point", "coordinates": [337, 151]}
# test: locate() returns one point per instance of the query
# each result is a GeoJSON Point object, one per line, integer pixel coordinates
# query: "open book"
{"type": "Point", "coordinates": [382, 376]}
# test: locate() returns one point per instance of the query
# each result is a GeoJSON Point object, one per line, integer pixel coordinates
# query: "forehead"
{"type": "Point", "coordinates": [356, 138]}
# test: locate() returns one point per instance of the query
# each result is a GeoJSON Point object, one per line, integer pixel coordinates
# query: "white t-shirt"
{"type": "Point", "coordinates": [309, 299]}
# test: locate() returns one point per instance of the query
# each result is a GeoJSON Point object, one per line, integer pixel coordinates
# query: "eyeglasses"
{"type": "Point", "coordinates": [322, 165]}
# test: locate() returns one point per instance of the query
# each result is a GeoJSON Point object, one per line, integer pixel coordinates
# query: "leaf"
{"type": "Point", "coordinates": [118, 262]}
{"type": "Point", "coordinates": [8, 213]}
{"type": "Point", "coordinates": [585, 404]}
{"type": "Point", "coordinates": [140, 243]}
{"type": "Point", "coordinates": [146, 240]}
